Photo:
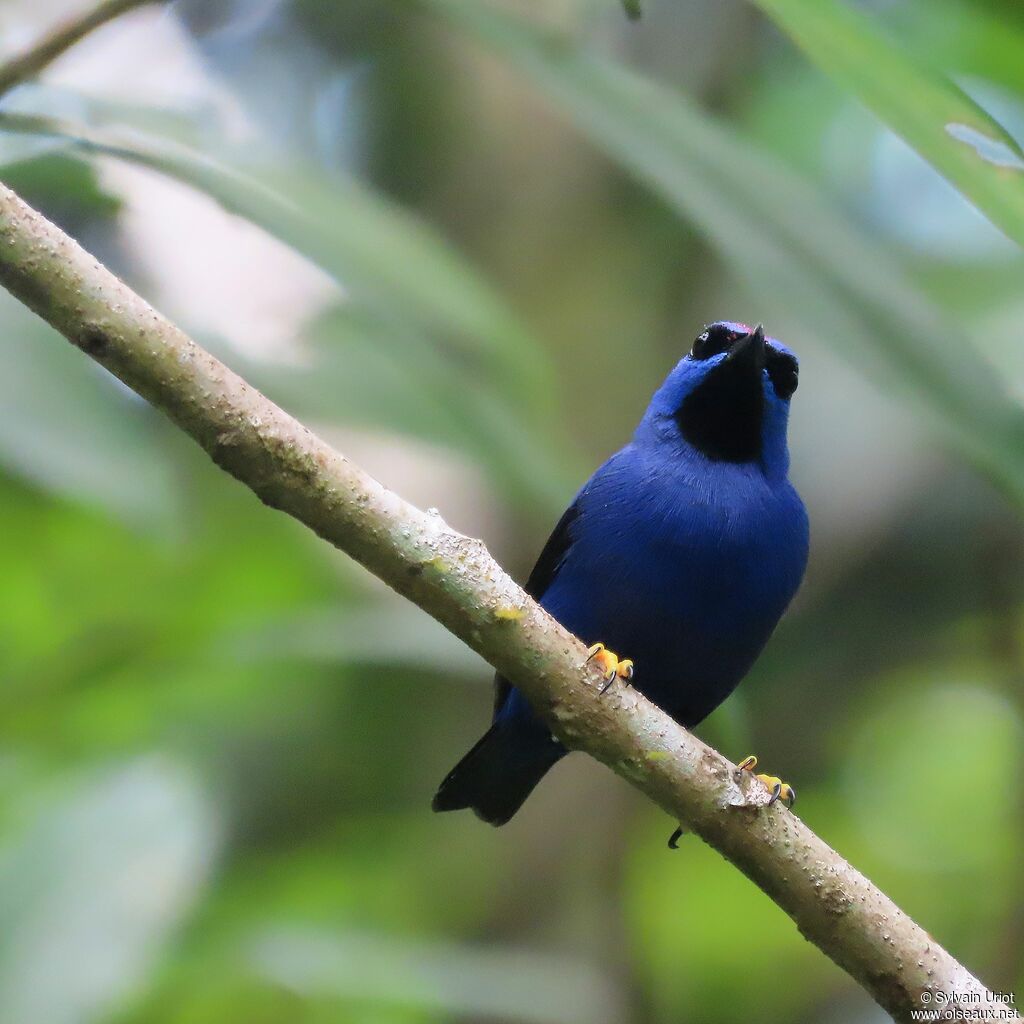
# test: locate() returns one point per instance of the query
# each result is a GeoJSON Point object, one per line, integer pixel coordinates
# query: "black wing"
{"type": "Point", "coordinates": [551, 558]}
{"type": "Point", "coordinates": [552, 554]}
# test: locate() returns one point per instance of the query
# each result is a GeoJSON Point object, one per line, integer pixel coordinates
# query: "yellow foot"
{"type": "Point", "coordinates": [610, 665]}
{"type": "Point", "coordinates": [779, 790]}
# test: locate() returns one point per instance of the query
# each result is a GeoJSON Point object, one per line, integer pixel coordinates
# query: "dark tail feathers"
{"type": "Point", "coordinates": [497, 775]}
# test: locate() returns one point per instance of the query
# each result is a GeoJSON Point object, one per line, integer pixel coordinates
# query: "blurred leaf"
{"type": "Point", "coordinates": [912, 732]}
{"type": "Point", "coordinates": [932, 745]}
{"type": "Point", "coordinates": [932, 114]}
{"type": "Point", "coordinates": [110, 639]}
{"type": "Point", "coordinates": [91, 888]}
{"type": "Point", "coordinates": [357, 918]}
{"type": "Point", "coordinates": [416, 282]}
{"type": "Point", "coordinates": [961, 37]}
{"type": "Point", "coordinates": [967, 37]}
{"type": "Point", "coordinates": [802, 258]}
{"type": "Point", "coordinates": [689, 914]}
{"type": "Point", "coordinates": [372, 372]}
{"type": "Point", "coordinates": [366, 373]}
{"type": "Point", "coordinates": [394, 633]}
{"type": "Point", "coordinates": [65, 186]}
{"type": "Point", "coordinates": [69, 426]}
{"type": "Point", "coordinates": [358, 236]}
{"type": "Point", "coordinates": [496, 982]}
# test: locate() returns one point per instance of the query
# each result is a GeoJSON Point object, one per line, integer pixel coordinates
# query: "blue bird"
{"type": "Point", "coordinates": [683, 550]}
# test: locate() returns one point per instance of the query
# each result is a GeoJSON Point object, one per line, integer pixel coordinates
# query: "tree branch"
{"type": "Point", "coordinates": [28, 64]}
{"type": "Point", "coordinates": [454, 579]}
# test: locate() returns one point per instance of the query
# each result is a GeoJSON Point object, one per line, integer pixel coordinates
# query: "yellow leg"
{"type": "Point", "coordinates": [779, 790]}
{"type": "Point", "coordinates": [611, 667]}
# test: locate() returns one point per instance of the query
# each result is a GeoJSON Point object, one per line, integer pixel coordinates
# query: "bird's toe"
{"type": "Point", "coordinates": [780, 791]}
{"type": "Point", "coordinates": [611, 667]}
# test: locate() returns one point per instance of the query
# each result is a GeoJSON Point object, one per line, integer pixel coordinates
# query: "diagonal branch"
{"type": "Point", "coordinates": [454, 579]}
{"type": "Point", "coordinates": [28, 64]}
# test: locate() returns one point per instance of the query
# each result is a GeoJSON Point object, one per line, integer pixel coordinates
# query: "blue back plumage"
{"type": "Point", "coordinates": [681, 552]}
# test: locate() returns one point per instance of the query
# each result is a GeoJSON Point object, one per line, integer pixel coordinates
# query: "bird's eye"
{"type": "Point", "coordinates": [783, 372]}
{"type": "Point", "coordinates": [716, 338]}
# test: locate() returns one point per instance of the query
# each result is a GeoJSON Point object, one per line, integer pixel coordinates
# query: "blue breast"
{"type": "Point", "coordinates": [682, 569]}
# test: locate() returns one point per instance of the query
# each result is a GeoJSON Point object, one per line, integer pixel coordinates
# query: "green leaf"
{"type": "Point", "coordinates": [808, 265]}
{"type": "Point", "coordinates": [510, 984]}
{"type": "Point", "coordinates": [493, 370]}
{"type": "Point", "coordinates": [70, 427]}
{"type": "Point", "coordinates": [946, 127]}
{"type": "Point", "coordinates": [905, 729]}
{"type": "Point", "coordinates": [387, 632]}
{"type": "Point", "coordinates": [93, 885]}
{"type": "Point", "coordinates": [363, 240]}
{"type": "Point", "coordinates": [962, 36]}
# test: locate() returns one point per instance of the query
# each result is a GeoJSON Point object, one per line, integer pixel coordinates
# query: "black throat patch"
{"type": "Point", "coordinates": [722, 417]}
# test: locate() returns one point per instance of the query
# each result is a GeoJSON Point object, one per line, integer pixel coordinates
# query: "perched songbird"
{"type": "Point", "coordinates": [682, 550]}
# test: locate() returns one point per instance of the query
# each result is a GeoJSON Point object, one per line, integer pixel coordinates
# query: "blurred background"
{"type": "Point", "coordinates": [466, 242]}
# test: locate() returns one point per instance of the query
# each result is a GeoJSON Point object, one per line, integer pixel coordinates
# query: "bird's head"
{"type": "Point", "coordinates": [728, 398]}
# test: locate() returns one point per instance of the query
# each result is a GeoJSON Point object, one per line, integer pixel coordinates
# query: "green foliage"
{"type": "Point", "coordinates": [937, 118]}
{"type": "Point", "coordinates": [445, 318]}
{"type": "Point", "coordinates": [67, 426]}
{"type": "Point", "coordinates": [218, 740]}
{"type": "Point", "coordinates": [803, 260]}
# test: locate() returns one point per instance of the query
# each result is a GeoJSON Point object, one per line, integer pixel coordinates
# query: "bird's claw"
{"type": "Point", "coordinates": [610, 665]}
{"type": "Point", "coordinates": [780, 791]}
